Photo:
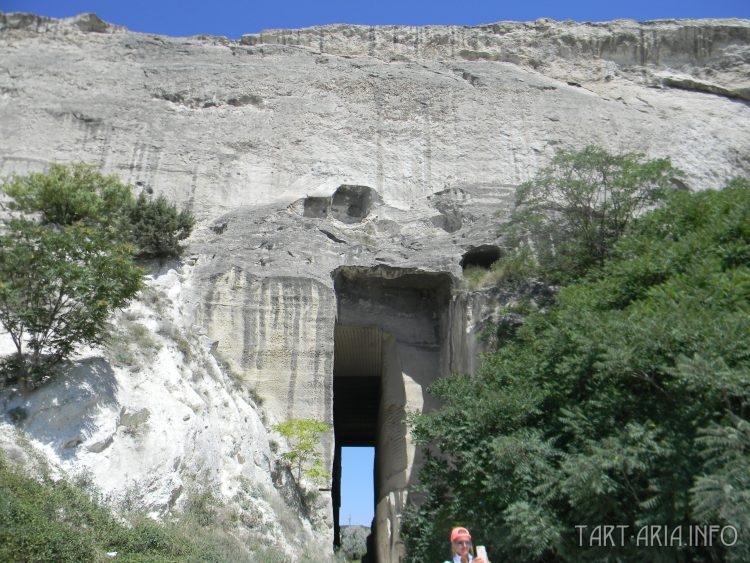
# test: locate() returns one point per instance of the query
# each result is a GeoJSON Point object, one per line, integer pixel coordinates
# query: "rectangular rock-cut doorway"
{"type": "Point", "coordinates": [357, 376]}
{"type": "Point", "coordinates": [391, 341]}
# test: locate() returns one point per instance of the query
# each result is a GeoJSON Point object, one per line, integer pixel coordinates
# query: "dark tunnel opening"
{"type": "Point", "coordinates": [481, 256]}
{"type": "Point", "coordinates": [388, 346]}
{"type": "Point", "coordinates": [357, 374]}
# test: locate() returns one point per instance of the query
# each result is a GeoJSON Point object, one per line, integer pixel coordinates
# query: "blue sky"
{"type": "Point", "coordinates": [356, 486]}
{"type": "Point", "coordinates": [232, 18]}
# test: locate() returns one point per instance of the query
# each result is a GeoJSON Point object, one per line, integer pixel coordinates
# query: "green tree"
{"type": "Point", "coordinates": [570, 215]}
{"type": "Point", "coordinates": [303, 436]}
{"type": "Point", "coordinates": [66, 258]}
{"type": "Point", "coordinates": [354, 541]}
{"type": "Point", "coordinates": [627, 403]}
{"type": "Point", "coordinates": [65, 264]}
{"type": "Point", "coordinates": [157, 227]}
{"type": "Point", "coordinates": [67, 195]}
{"type": "Point", "coordinates": [58, 285]}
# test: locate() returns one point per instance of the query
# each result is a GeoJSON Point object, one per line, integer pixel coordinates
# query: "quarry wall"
{"type": "Point", "coordinates": [339, 176]}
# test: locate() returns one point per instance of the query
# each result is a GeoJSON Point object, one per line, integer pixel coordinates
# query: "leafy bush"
{"type": "Point", "coordinates": [627, 404]}
{"type": "Point", "coordinates": [48, 521]}
{"type": "Point", "coordinates": [66, 260]}
{"type": "Point", "coordinates": [513, 269]}
{"type": "Point", "coordinates": [79, 194]}
{"type": "Point", "coordinates": [58, 285]}
{"type": "Point", "coordinates": [571, 214]}
{"type": "Point", "coordinates": [66, 195]}
{"type": "Point", "coordinates": [354, 541]}
{"type": "Point", "coordinates": [157, 227]}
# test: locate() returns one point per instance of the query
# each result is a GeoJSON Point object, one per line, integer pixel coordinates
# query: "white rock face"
{"type": "Point", "coordinates": [154, 418]}
{"type": "Point", "coordinates": [316, 156]}
{"type": "Point", "coordinates": [406, 111]}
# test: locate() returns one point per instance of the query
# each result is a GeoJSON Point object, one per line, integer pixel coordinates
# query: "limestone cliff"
{"type": "Point", "coordinates": [340, 174]}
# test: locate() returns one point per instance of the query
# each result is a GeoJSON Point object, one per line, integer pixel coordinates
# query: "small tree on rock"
{"type": "Point", "coordinates": [58, 285]}
{"type": "Point", "coordinates": [303, 436]}
{"type": "Point", "coordinates": [80, 194]}
{"type": "Point", "coordinates": [570, 215]}
{"type": "Point", "coordinates": [66, 260]}
{"type": "Point", "coordinates": [66, 195]}
{"type": "Point", "coordinates": [157, 227]}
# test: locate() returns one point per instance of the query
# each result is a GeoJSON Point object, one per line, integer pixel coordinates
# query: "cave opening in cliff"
{"type": "Point", "coordinates": [483, 256]}
{"type": "Point", "coordinates": [389, 344]}
{"type": "Point", "coordinates": [357, 377]}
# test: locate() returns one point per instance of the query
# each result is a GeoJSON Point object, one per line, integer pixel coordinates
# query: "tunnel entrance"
{"type": "Point", "coordinates": [357, 372]}
{"type": "Point", "coordinates": [390, 342]}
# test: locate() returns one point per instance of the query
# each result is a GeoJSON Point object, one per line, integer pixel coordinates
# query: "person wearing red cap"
{"type": "Point", "coordinates": [461, 547]}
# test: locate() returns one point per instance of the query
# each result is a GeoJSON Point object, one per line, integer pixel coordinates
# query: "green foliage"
{"type": "Point", "coordinates": [514, 268]}
{"type": "Point", "coordinates": [58, 521]}
{"type": "Point", "coordinates": [627, 403]}
{"type": "Point", "coordinates": [475, 276]}
{"type": "Point", "coordinates": [722, 493]}
{"type": "Point", "coordinates": [66, 195]}
{"type": "Point", "coordinates": [66, 260]}
{"type": "Point", "coordinates": [58, 285]}
{"type": "Point", "coordinates": [202, 506]}
{"type": "Point", "coordinates": [158, 227]}
{"type": "Point", "coordinates": [79, 194]}
{"type": "Point", "coordinates": [303, 436]}
{"type": "Point", "coordinates": [571, 214]}
{"type": "Point", "coordinates": [50, 520]}
{"type": "Point", "coordinates": [354, 541]}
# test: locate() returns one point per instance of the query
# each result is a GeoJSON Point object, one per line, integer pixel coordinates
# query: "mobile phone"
{"type": "Point", "coordinates": [482, 552]}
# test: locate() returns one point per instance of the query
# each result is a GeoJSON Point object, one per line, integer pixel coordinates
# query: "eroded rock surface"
{"type": "Point", "coordinates": [362, 158]}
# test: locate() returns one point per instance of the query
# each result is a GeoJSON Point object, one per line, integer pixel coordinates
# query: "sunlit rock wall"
{"type": "Point", "coordinates": [301, 152]}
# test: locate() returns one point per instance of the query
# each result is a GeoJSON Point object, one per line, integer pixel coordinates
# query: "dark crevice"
{"type": "Point", "coordinates": [481, 256]}
{"type": "Point", "coordinates": [333, 237]}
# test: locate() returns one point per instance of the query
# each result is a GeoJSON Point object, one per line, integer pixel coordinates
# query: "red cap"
{"type": "Point", "coordinates": [458, 534]}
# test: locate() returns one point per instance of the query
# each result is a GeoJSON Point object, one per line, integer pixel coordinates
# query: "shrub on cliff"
{"type": "Point", "coordinates": [625, 404]}
{"type": "Point", "coordinates": [66, 260]}
{"type": "Point", "coordinates": [157, 227]}
{"type": "Point", "coordinates": [66, 195]}
{"type": "Point", "coordinates": [79, 194]}
{"type": "Point", "coordinates": [568, 218]}
{"type": "Point", "coordinates": [303, 436]}
{"type": "Point", "coordinates": [61, 520]}
{"type": "Point", "coordinates": [58, 285]}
